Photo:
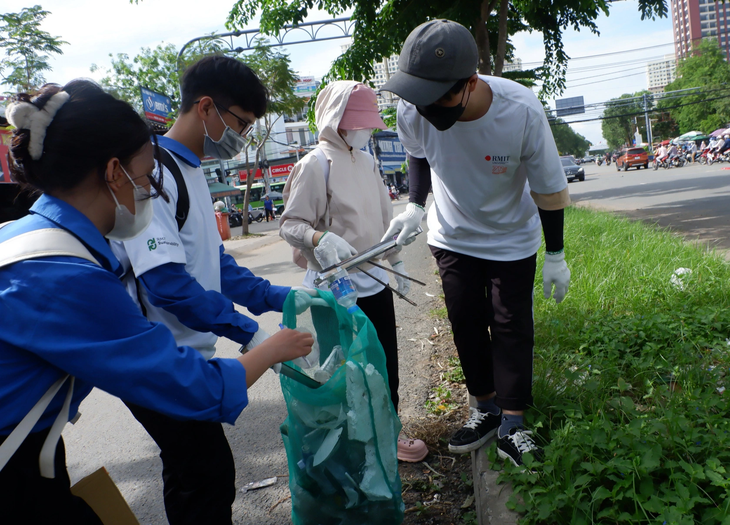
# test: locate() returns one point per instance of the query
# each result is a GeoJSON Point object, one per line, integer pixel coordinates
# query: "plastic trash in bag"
{"type": "Point", "coordinates": [341, 437]}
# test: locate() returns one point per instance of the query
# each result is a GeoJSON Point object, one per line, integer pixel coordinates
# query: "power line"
{"type": "Point", "coordinates": [608, 54]}
{"type": "Point", "coordinates": [607, 79]}
{"type": "Point", "coordinates": [611, 73]}
{"type": "Point", "coordinates": [655, 110]}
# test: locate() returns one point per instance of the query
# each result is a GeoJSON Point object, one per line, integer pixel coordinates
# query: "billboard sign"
{"type": "Point", "coordinates": [281, 171]}
{"type": "Point", "coordinates": [306, 86]}
{"type": "Point", "coordinates": [569, 106]}
{"type": "Point", "coordinates": [391, 150]}
{"type": "Point", "coordinates": [157, 107]}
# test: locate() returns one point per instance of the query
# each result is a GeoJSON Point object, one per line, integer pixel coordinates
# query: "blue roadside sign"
{"type": "Point", "coordinates": [157, 107]}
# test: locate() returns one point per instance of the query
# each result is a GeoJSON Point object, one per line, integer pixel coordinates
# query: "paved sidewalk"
{"type": "Point", "coordinates": [238, 247]}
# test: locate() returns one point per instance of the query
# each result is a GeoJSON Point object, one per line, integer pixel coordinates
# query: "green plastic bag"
{"type": "Point", "coordinates": [341, 437]}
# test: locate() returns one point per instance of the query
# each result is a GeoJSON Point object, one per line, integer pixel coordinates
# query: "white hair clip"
{"type": "Point", "coordinates": [24, 115]}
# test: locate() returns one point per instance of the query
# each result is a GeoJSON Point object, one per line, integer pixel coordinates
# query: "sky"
{"type": "Point", "coordinates": [96, 28]}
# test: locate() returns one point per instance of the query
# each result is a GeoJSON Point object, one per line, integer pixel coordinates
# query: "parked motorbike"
{"type": "Point", "coordinates": [255, 216]}
{"type": "Point", "coordinates": [235, 218]}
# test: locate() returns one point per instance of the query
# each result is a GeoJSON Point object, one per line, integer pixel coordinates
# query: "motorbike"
{"type": "Point", "coordinates": [235, 218]}
{"type": "Point", "coordinates": [599, 160]}
{"type": "Point", "coordinates": [255, 216]}
{"type": "Point", "coordinates": [677, 161]}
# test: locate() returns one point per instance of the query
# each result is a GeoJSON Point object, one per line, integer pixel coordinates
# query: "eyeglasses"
{"type": "Point", "coordinates": [246, 127]}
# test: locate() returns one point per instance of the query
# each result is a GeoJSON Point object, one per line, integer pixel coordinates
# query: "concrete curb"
{"type": "Point", "coordinates": [490, 498]}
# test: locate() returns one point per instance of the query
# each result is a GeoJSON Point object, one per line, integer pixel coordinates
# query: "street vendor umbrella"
{"type": "Point", "coordinates": [690, 135]}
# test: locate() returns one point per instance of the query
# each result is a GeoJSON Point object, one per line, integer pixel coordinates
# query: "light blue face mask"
{"type": "Point", "coordinates": [228, 146]}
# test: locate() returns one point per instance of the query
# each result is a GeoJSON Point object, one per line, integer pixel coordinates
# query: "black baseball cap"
{"type": "Point", "coordinates": [434, 57]}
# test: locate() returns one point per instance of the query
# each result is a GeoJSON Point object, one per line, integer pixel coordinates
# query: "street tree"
{"type": "Point", "coordinates": [274, 70]}
{"type": "Point", "coordinates": [568, 141]}
{"type": "Point", "coordinates": [381, 26]}
{"type": "Point", "coordinates": [157, 69]}
{"type": "Point", "coordinates": [709, 109]}
{"type": "Point", "coordinates": [622, 117]}
{"type": "Point", "coordinates": [27, 49]}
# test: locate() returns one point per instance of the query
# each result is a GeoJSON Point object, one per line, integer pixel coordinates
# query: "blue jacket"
{"type": "Point", "coordinates": [62, 315]}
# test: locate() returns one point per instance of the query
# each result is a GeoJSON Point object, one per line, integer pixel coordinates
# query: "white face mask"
{"type": "Point", "coordinates": [358, 138]}
{"type": "Point", "coordinates": [128, 225]}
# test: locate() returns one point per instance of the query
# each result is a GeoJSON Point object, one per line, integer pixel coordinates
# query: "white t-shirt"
{"type": "Point", "coordinates": [197, 246]}
{"type": "Point", "coordinates": [482, 172]}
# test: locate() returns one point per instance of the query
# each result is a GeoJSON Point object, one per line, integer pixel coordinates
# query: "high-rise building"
{"type": "Point", "coordinates": [384, 69]}
{"type": "Point", "coordinates": [659, 73]}
{"type": "Point", "coordinates": [694, 20]}
{"type": "Point", "coordinates": [515, 65]}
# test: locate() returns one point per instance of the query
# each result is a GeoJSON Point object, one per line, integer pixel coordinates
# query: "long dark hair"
{"type": "Point", "coordinates": [91, 128]}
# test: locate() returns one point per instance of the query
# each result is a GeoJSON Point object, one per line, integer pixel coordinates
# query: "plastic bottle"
{"type": "Point", "coordinates": [344, 291]}
{"type": "Point", "coordinates": [340, 284]}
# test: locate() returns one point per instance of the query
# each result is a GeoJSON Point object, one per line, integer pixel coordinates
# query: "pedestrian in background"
{"type": "Point", "coordinates": [269, 208]}
{"type": "Point", "coordinates": [484, 139]}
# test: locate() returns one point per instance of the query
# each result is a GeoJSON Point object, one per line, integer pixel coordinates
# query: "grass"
{"type": "Point", "coordinates": [629, 377]}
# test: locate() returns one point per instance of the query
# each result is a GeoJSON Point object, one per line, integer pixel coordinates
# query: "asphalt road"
{"type": "Point", "coordinates": [692, 200]}
{"type": "Point", "coordinates": [107, 434]}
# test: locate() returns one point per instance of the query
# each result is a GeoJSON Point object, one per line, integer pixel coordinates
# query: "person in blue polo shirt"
{"type": "Point", "coordinates": [69, 315]}
{"type": "Point", "coordinates": [183, 278]}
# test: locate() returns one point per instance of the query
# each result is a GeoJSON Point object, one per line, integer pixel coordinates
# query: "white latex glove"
{"type": "Point", "coordinates": [406, 223]}
{"type": "Point", "coordinates": [332, 249]}
{"type": "Point", "coordinates": [259, 337]}
{"type": "Point", "coordinates": [555, 272]}
{"type": "Point", "coordinates": [404, 285]}
{"type": "Point", "coordinates": [305, 298]}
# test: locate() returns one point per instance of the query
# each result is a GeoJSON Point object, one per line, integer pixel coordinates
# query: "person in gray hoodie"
{"type": "Point", "coordinates": [344, 209]}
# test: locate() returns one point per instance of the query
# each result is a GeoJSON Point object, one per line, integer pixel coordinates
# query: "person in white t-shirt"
{"type": "Point", "coordinates": [486, 145]}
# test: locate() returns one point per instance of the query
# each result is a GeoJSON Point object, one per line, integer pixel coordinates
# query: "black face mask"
{"type": "Point", "coordinates": [441, 117]}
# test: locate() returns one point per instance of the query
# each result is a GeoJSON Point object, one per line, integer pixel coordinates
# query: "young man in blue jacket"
{"type": "Point", "coordinates": [183, 278]}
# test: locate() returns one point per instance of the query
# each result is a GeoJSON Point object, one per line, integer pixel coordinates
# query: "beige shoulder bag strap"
{"type": "Point", "coordinates": [48, 242]}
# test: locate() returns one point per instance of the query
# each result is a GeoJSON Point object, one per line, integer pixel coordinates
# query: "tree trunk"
{"type": "Point", "coordinates": [482, 37]}
{"type": "Point", "coordinates": [501, 38]}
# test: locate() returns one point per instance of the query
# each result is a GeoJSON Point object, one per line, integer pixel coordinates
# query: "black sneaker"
{"type": "Point", "coordinates": [480, 427]}
{"type": "Point", "coordinates": [516, 443]}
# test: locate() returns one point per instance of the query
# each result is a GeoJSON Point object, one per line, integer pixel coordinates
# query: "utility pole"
{"type": "Point", "coordinates": [649, 134]}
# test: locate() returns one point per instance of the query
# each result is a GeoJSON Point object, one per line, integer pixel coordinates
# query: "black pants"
{"type": "Point", "coordinates": [26, 498]}
{"type": "Point", "coordinates": [269, 213]}
{"type": "Point", "coordinates": [490, 308]}
{"type": "Point", "coordinates": [197, 468]}
{"type": "Point", "coordinates": [380, 310]}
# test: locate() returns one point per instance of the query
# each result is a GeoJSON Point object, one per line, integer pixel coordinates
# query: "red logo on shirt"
{"type": "Point", "coordinates": [499, 170]}
{"type": "Point", "coordinates": [488, 158]}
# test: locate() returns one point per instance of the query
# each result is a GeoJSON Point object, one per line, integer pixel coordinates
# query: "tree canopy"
{"type": "Point", "coordinates": [27, 49]}
{"type": "Point", "coordinates": [622, 116]}
{"type": "Point", "coordinates": [568, 141]}
{"type": "Point", "coordinates": [710, 109]}
{"type": "Point", "coordinates": [381, 26]}
{"type": "Point", "coordinates": [156, 69]}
